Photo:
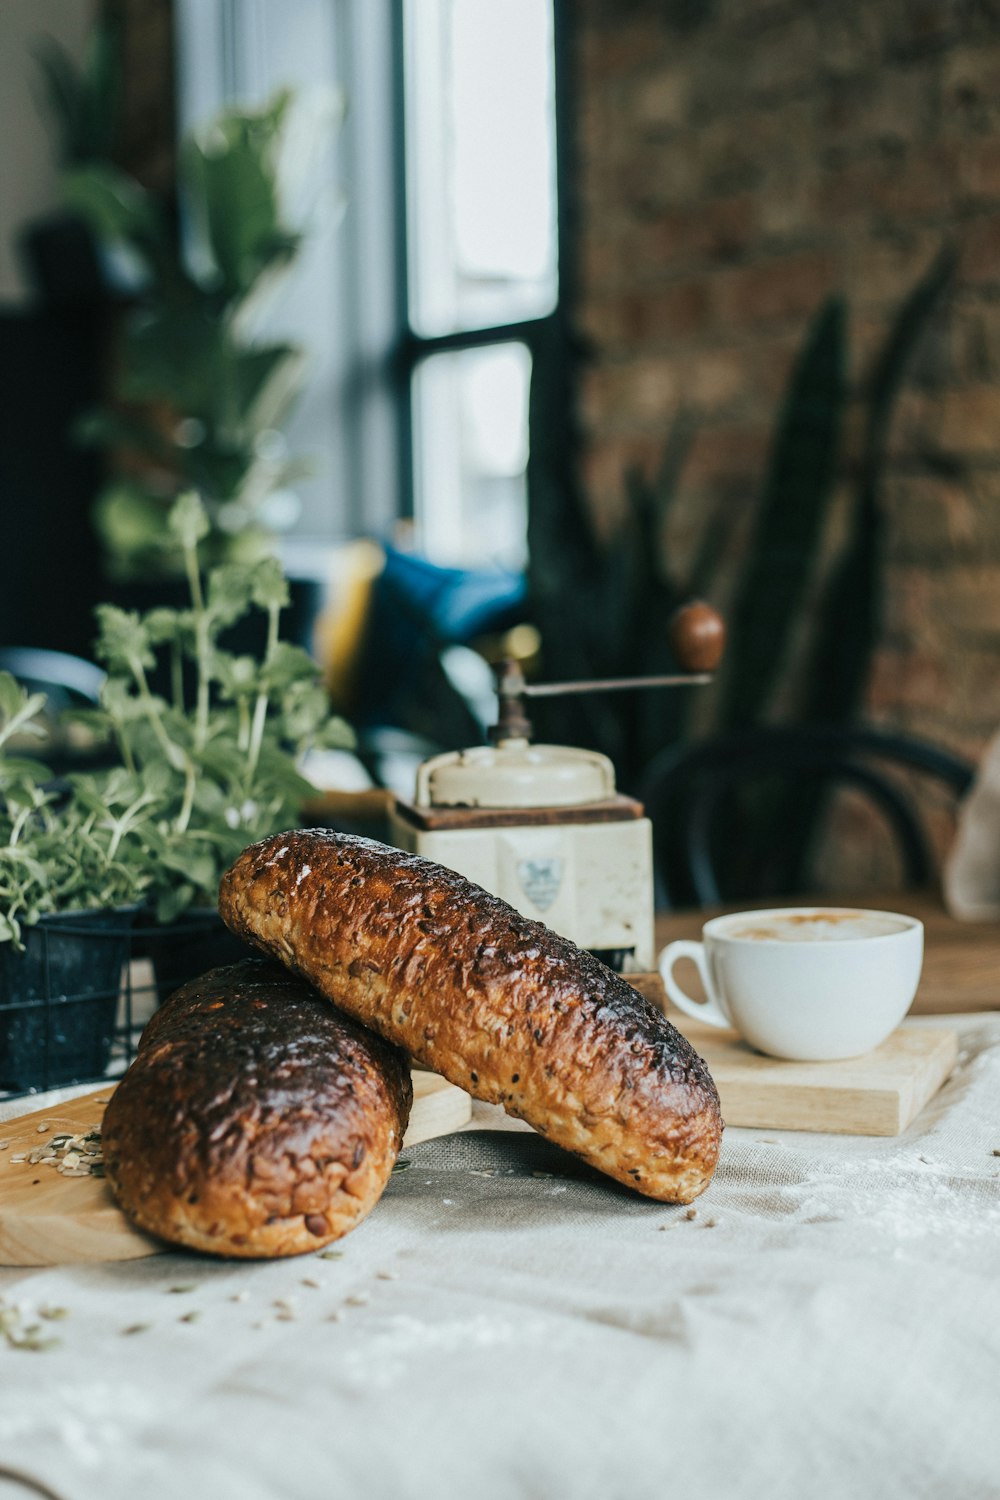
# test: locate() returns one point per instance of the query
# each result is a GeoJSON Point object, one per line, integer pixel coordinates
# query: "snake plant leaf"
{"type": "Point", "coordinates": [84, 101]}
{"type": "Point", "coordinates": [851, 618]}
{"type": "Point", "coordinates": [765, 614]}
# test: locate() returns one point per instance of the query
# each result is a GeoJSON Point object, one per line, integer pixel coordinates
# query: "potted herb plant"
{"type": "Point", "coordinates": [203, 772]}
{"type": "Point", "coordinates": [71, 876]}
{"type": "Point", "coordinates": [220, 755]}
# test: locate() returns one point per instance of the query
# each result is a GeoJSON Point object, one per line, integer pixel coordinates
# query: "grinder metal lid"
{"type": "Point", "coordinates": [515, 773]}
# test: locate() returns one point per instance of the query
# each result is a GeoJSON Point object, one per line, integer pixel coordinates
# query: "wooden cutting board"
{"type": "Point", "coordinates": [880, 1093]}
{"type": "Point", "coordinates": [47, 1219]}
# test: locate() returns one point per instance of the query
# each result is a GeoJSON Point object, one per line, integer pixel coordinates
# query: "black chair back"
{"type": "Point", "coordinates": [736, 817]}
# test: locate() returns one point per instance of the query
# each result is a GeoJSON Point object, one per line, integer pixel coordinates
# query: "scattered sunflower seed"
{"type": "Point", "coordinates": [239, 1296]}
{"type": "Point", "coordinates": [331, 1255]}
{"type": "Point", "coordinates": [311, 1281]}
{"type": "Point", "coordinates": [32, 1341]}
{"type": "Point", "coordinates": [335, 1316]}
{"type": "Point", "coordinates": [190, 1317]}
{"type": "Point", "coordinates": [53, 1314]}
{"type": "Point", "coordinates": [402, 1164]}
{"type": "Point", "coordinates": [387, 1275]}
{"type": "Point", "coordinates": [184, 1286]}
{"type": "Point", "coordinates": [358, 1299]}
{"type": "Point", "coordinates": [41, 1129]}
{"type": "Point", "coordinates": [21, 1156]}
{"type": "Point", "coordinates": [997, 1151]}
{"type": "Point", "coordinates": [136, 1328]}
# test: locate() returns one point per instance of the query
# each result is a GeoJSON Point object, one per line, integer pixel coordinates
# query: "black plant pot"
{"type": "Point", "coordinates": [181, 950]}
{"type": "Point", "coordinates": [59, 998]}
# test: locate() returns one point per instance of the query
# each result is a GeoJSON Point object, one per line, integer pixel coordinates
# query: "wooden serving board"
{"type": "Point", "coordinates": [880, 1093]}
{"type": "Point", "coordinates": [47, 1219]}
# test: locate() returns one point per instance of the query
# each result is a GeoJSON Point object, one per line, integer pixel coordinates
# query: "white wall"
{"type": "Point", "coordinates": [28, 184]}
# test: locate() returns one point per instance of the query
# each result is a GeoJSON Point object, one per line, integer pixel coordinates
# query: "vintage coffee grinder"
{"type": "Point", "coordinates": [544, 826]}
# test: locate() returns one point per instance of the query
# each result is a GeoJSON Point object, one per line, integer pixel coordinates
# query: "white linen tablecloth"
{"type": "Point", "coordinates": [826, 1324]}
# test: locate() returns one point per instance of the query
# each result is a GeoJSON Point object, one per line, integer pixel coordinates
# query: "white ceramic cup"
{"type": "Point", "coordinates": [809, 982]}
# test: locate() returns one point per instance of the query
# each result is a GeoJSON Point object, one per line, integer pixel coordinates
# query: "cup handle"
{"type": "Point", "coordinates": [709, 1010]}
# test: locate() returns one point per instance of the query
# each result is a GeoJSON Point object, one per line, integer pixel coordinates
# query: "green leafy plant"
{"type": "Point", "coordinates": [602, 607]}
{"type": "Point", "coordinates": [219, 759]}
{"type": "Point", "coordinates": [61, 848]}
{"type": "Point", "coordinates": [197, 399]}
{"type": "Point", "coordinates": [83, 101]}
{"type": "Point", "coordinates": [202, 774]}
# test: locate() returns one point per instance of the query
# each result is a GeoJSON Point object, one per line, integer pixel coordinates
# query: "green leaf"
{"type": "Point", "coordinates": [230, 590]}
{"type": "Point", "coordinates": [131, 524]}
{"type": "Point", "coordinates": [238, 676]}
{"type": "Point", "coordinates": [169, 626]}
{"type": "Point", "coordinates": [268, 380]}
{"type": "Point", "coordinates": [188, 521]}
{"type": "Point", "coordinates": [790, 522]}
{"type": "Point", "coordinates": [116, 207]}
{"type": "Point", "coordinates": [287, 665]}
{"type": "Point", "coordinates": [305, 710]}
{"type": "Point", "coordinates": [122, 641]}
{"type": "Point", "coordinates": [269, 586]}
{"type": "Point", "coordinates": [231, 178]}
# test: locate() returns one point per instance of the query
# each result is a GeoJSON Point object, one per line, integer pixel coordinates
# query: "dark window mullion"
{"type": "Point", "coordinates": [416, 347]}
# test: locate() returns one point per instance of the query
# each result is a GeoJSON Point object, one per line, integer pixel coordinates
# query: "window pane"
{"type": "Point", "coordinates": [471, 449]}
{"type": "Point", "coordinates": [480, 128]}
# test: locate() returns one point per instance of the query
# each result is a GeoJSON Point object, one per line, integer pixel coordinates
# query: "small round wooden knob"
{"type": "Point", "coordinates": [697, 636]}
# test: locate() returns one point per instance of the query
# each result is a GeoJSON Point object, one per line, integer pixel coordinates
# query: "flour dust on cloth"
{"type": "Point", "coordinates": [972, 868]}
{"type": "Point", "coordinates": [507, 1325]}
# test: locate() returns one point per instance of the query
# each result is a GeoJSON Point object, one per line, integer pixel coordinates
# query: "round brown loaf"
{"type": "Point", "coordinates": [499, 1004]}
{"type": "Point", "coordinates": [256, 1120]}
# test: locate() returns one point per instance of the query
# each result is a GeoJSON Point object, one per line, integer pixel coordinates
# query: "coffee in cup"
{"type": "Point", "coordinates": [808, 983]}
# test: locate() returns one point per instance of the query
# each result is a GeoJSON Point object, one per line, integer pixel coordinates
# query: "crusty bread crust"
{"type": "Point", "coordinates": [498, 1004]}
{"type": "Point", "coordinates": [256, 1120]}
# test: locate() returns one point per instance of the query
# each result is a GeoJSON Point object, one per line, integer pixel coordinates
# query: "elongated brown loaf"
{"type": "Point", "coordinates": [499, 1004]}
{"type": "Point", "coordinates": [256, 1120]}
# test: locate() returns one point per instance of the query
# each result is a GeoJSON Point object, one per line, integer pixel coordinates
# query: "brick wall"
{"type": "Point", "coordinates": [738, 160]}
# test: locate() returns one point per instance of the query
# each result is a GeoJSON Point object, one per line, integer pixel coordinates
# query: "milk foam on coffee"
{"type": "Point", "coordinates": [816, 927]}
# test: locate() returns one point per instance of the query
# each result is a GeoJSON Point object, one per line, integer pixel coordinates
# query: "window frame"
{"type": "Point", "coordinates": [222, 55]}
